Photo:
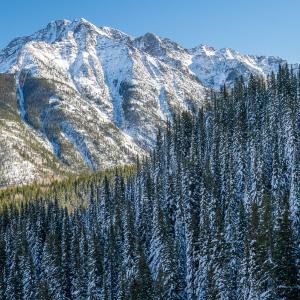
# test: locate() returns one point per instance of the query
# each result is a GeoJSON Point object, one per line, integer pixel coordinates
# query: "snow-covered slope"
{"type": "Point", "coordinates": [94, 96]}
{"type": "Point", "coordinates": [216, 67]}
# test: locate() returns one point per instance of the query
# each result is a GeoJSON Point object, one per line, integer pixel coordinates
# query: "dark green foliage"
{"type": "Point", "coordinates": [8, 99]}
{"type": "Point", "coordinates": [212, 213]}
{"type": "Point", "coordinates": [37, 93]}
{"type": "Point", "coordinates": [7, 89]}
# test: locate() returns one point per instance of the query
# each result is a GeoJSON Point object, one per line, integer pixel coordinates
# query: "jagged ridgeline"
{"type": "Point", "coordinates": [213, 213]}
{"type": "Point", "coordinates": [92, 98]}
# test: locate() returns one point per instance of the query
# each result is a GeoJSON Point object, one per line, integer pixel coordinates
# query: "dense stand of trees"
{"type": "Point", "coordinates": [213, 213]}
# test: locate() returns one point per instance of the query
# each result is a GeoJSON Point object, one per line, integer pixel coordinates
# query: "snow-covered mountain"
{"type": "Point", "coordinates": [85, 97]}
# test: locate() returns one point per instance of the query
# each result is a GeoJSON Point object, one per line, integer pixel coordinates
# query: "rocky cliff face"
{"type": "Point", "coordinates": [84, 97]}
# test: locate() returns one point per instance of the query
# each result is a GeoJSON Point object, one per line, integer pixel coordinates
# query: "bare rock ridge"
{"type": "Point", "coordinates": [77, 97]}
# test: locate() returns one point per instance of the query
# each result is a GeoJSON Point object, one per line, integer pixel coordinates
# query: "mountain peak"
{"type": "Point", "coordinates": [57, 29]}
{"type": "Point", "coordinates": [95, 95]}
{"type": "Point", "coordinates": [151, 44]}
{"type": "Point", "coordinates": [150, 36]}
{"type": "Point", "coordinates": [81, 20]}
{"type": "Point", "coordinates": [203, 49]}
{"type": "Point", "coordinates": [61, 22]}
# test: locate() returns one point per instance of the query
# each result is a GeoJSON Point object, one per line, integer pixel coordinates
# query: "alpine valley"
{"type": "Point", "coordinates": [178, 170]}
{"type": "Point", "coordinates": [77, 97]}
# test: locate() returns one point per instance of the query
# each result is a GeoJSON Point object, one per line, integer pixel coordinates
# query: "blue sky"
{"type": "Point", "coordinates": [254, 27]}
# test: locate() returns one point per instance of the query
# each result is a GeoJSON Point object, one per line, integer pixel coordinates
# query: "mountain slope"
{"type": "Point", "coordinates": [214, 214]}
{"type": "Point", "coordinates": [94, 96]}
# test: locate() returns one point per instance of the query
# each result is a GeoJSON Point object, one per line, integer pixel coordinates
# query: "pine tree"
{"type": "Point", "coordinates": [284, 256]}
